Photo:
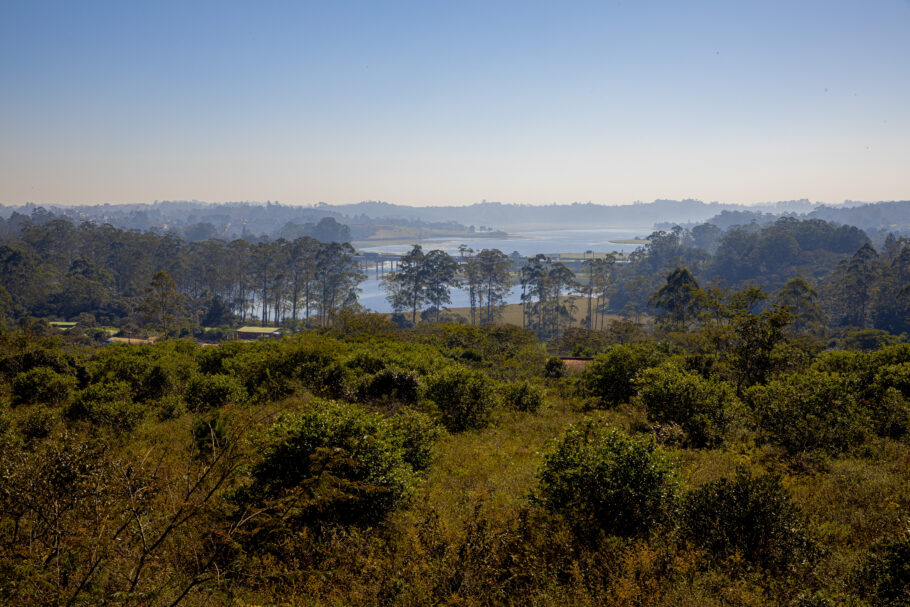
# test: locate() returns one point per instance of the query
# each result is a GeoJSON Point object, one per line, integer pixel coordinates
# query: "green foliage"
{"type": "Point", "coordinates": [151, 372]}
{"type": "Point", "coordinates": [810, 410]}
{"type": "Point", "coordinates": [42, 385]}
{"type": "Point", "coordinates": [523, 396]}
{"type": "Point", "coordinates": [205, 392]}
{"type": "Point", "coordinates": [868, 340]}
{"type": "Point", "coordinates": [210, 434]}
{"type": "Point", "coordinates": [391, 384]}
{"type": "Point", "coordinates": [331, 464]}
{"type": "Point", "coordinates": [677, 297]}
{"type": "Point", "coordinates": [600, 478]}
{"type": "Point", "coordinates": [703, 408]}
{"type": "Point", "coordinates": [555, 368]}
{"type": "Point", "coordinates": [416, 433]}
{"type": "Point", "coordinates": [7, 426]}
{"type": "Point", "coordinates": [107, 404]}
{"type": "Point", "coordinates": [465, 397]}
{"type": "Point", "coordinates": [752, 517]}
{"type": "Point", "coordinates": [756, 336]}
{"type": "Point", "coordinates": [884, 576]}
{"type": "Point", "coordinates": [38, 423]}
{"type": "Point", "coordinates": [611, 376]}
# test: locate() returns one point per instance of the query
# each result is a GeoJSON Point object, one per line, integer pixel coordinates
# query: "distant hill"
{"type": "Point", "coordinates": [363, 221]}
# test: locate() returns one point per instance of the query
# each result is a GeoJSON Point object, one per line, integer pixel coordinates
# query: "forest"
{"type": "Point", "coordinates": [833, 276]}
{"type": "Point", "coordinates": [729, 423]}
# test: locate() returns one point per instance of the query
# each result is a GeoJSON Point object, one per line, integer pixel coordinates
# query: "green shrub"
{"type": "Point", "coordinates": [205, 392]}
{"type": "Point", "coordinates": [391, 384]}
{"type": "Point", "coordinates": [522, 396]}
{"type": "Point", "coordinates": [884, 576]}
{"type": "Point", "coordinates": [7, 426]}
{"type": "Point", "coordinates": [210, 434]}
{"type": "Point", "coordinates": [42, 385]}
{"type": "Point", "coordinates": [107, 404]}
{"type": "Point", "coordinates": [171, 407]}
{"type": "Point", "coordinates": [555, 368]}
{"type": "Point", "coordinates": [416, 433]}
{"type": "Point", "coordinates": [893, 376]}
{"type": "Point", "coordinates": [331, 464]}
{"type": "Point", "coordinates": [38, 423]}
{"type": "Point", "coordinates": [810, 410]}
{"type": "Point", "coordinates": [890, 411]}
{"type": "Point", "coordinates": [749, 516]}
{"type": "Point", "coordinates": [597, 477]}
{"type": "Point", "coordinates": [703, 408]}
{"type": "Point", "coordinates": [366, 362]}
{"type": "Point", "coordinates": [611, 375]}
{"type": "Point", "coordinates": [464, 397]}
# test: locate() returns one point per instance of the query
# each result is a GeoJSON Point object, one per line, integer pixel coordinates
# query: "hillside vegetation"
{"type": "Point", "coordinates": [733, 463]}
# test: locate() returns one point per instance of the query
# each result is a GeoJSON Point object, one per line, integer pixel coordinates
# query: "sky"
{"type": "Point", "coordinates": [431, 103]}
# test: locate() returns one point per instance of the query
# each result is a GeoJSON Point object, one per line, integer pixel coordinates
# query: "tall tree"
{"type": "Point", "coordinates": [440, 275]}
{"type": "Point", "coordinates": [802, 301]}
{"type": "Point", "coordinates": [337, 277]}
{"type": "Point", "coordinates": [494, 281]}
{"type": "Point", "coordinates": [677, 297]}
{"type": "Point", "coordinates": [162, 307]}
{"type": "Point", "coordinates": [407, 285]}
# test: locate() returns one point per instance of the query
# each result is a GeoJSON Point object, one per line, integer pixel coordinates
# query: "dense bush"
{"type": "Point", "coordinates": [42, 385]}
{"type": "Point", "coordinates": [611, 375]}
{"type": "Point", "coordinates": [151, 373]}
{"type": "Point", "coordinates": [204, 392]}
{"type": "Point", "coordinates": [748, 516]}
{"type": "Point", "coordinates": [210, 434]}
{"type": "Point", "coordinates": [38, 423]}
{"type": "Point", "coordinates": [555, 368]}
{"type": "Point", "coordinates": [464, 397]}
{"type": "Point", "coordinates": [884, 576]}
{"type": "Point", "coordinates": [391, 384]}
{"type": "Point", "coordinates": [810, 410]}
{"type": "Point", "coordinates": [522, 396]}
{"type": "Point", "coordinates": [331, 464]}
{"type": "Point", "coordinates": [597, 477]}
{"type": "Point", "coordinates": [703, 408]}
{"type": "Point", "coordinates": [107, 404]}
{"type": "Point", "coordinates": [416, 433]}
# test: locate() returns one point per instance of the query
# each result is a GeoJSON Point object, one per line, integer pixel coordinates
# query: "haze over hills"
{"type": "Point", "coordinates": [372, 220]}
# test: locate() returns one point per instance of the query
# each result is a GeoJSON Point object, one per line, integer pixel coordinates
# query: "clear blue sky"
{"type": "Point", "coordinates": [454, 102]}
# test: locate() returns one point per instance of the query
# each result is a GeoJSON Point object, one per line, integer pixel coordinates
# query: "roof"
{"type": "Point", "coordinates": [263, 330]}
{"type": "Point", "coordinates": [131, 340]}
{"type": "Point", "coordinates": [62, 325]}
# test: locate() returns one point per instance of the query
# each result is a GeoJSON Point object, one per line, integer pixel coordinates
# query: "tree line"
{"type": "Point", "coordinates": [53, 268]}
{"type": "Point", "coordinates": [98, 273]}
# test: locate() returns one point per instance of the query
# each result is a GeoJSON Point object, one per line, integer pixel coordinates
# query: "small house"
{"type": "Point", "coordinates": [257, 333]}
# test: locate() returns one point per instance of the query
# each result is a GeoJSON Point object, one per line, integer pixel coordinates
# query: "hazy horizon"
{"type": "Point", "coordinates": [432, 105]}
{"type": "Point", "coordinates": [847, 202]}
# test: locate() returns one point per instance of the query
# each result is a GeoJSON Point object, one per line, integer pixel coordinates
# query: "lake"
{"type": "Point", "coordinates": [527, 244]}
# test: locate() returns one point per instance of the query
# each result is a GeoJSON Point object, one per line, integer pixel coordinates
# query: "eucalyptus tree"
{"type": "Point", "coordinates": [440, 275]}
{"type": "Point", "coordinates": [494, 282]}
{"type": "Point", "coordinates": [802, 301]}
{"type": "Point", "coordinates": [336, 279]}
{"type": "Point", "coordinates": [678, 297]}
{"type": "Point", "coordinates": [562, 284]}
{"type": "Point", "coordinates": [533, 291]}
{"type": "Point", "coordinates": [407, 285]}
{"type": "Point", "coordinates": [302, 253]}
{"type": "Point", "coordinates": [597, 289]}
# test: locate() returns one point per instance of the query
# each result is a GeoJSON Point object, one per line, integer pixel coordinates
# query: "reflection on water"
{"type": "Point", "coordinates": [527, 244]}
